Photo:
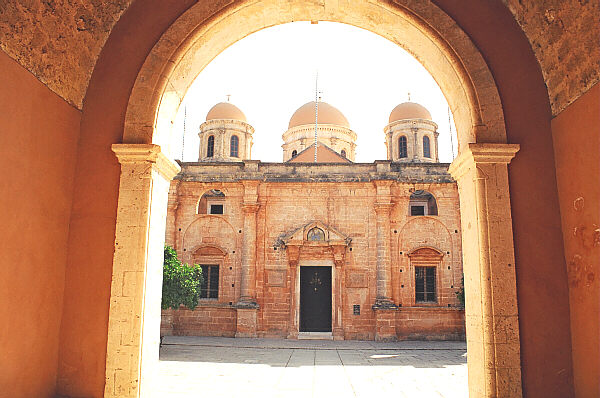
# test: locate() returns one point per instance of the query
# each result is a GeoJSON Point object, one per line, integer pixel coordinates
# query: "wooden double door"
{"type": "Point", "coordinates": [315, 299]}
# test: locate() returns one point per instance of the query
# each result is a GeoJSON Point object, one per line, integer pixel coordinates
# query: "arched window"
{"type": "Point", "coordinates": [402, 147]}
{"type": "Point", "coordinates": [210, 147]}
{"type": "Point", "coordinates": [294, 153]}
{"type": "Point", "coordinates": [315, 234]}
{"type": "Point", "coordinates": [234, 146]}
{"type": "Point", "coordinates": [212, 202]}
{"type": "Point", "coordinates": [422, 203]}
{"type": "Point", "coordinates": [343, 153]}
{"type": "Point", "coordinates": [426, 148]}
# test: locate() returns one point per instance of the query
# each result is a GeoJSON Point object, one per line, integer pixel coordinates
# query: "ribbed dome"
{"type": "Point", "coordinates": [225, 110]}
{"type": "Point", "coordinates": [409, 110]}
{"type": "Point", "coordinates": [327, 115]}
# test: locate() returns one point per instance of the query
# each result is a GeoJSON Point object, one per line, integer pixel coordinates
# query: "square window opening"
{"type": "Point", "coordinates": [417, 210]}
{"type": "Point", "coordinates": [216, 209]}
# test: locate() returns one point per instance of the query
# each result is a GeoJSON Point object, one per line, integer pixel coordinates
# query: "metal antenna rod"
{"type": "Point", "coordinates": [450, 129]}
{"type": "Point", "coordinates": [316, 111]}
{"type": "Point", "coordinates": [183, 138]}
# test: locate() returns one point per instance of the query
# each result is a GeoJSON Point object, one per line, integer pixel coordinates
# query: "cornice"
{"type": "Point", "coordinates": [485, 153]}
{"type": "Point", "coordinates": [146, 153]}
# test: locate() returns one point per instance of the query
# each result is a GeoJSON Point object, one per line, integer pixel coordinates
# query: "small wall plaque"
{"type": "Point", "coordinates": [356, 309]}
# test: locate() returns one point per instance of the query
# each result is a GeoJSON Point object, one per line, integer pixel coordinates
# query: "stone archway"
{"type": "Point", "coordinates": [481, 171]}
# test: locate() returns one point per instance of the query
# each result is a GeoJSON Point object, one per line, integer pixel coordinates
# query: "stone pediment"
{"type": "Point", "coordinates": [315, 233]}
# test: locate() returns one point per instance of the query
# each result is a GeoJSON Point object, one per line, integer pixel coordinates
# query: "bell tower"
{"type": "Point", "coordinates": [226, 136]}
{"type": "Point", "coordinates": [411, 135]}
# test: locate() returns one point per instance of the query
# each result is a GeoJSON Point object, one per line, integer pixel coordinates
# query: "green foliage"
{"type": "Point", "coordinates": [460, 293]}
{"type": "Point", "coordinates": [181, 282]}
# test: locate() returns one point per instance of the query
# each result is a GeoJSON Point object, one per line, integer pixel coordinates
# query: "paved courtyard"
{"type": "Point", "coordinates": [223, 367]}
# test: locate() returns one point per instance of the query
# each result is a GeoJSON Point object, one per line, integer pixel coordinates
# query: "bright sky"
{"type": "Point", "coordinates": [271, 73]}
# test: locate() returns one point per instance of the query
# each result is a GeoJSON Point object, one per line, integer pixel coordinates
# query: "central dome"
{"type": "Point", "coordinates": [225, 110]}
{"type": "Point", "coordinates": [327, 115]}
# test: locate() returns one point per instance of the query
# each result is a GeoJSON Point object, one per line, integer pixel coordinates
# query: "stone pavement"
{"type": "Point", "coordinates": [225, 367]}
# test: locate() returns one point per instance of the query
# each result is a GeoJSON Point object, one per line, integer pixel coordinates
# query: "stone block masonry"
{"type": "Point", "coordinates": [371, 242]}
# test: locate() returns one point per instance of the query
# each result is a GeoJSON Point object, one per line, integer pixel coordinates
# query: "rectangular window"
{"type": "Point", "coordinates": [425, 285]}
{"type": "Point", "coordinates": [216, 209]}
{"type": "Point", "coordinates": [210, 285]}
{"type": "Point", "coordinates": [417, 210]}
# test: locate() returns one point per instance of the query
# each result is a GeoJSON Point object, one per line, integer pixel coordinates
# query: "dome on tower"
{"type": "Point", "coordinates": [409, 110]}
{"type": "Point", "coordinates": [327, 115]}
{"type": "Point", "coordinates": [225, 110]}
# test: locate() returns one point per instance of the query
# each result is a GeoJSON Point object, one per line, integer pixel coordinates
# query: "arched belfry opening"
{"type": "Point", "coordinates": [480, 169]}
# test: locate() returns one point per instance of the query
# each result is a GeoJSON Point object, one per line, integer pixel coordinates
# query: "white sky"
{"type": "Point", "coordinates": [271, 73]}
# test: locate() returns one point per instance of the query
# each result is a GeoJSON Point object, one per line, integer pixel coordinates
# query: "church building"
{"type": "Point", "coordinates": [319, 246]}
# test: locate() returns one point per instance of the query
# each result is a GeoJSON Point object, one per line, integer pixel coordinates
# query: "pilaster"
{"type": "Point", "coordinates": [384, 308]}
{"type": "Point", "coordinates": [134, 314]}
{"type": "Point", "coordinates": [481, 171]}
{"type": "Point", "coordinates": [247, 305]}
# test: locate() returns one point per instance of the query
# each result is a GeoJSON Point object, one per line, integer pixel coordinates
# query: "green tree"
{"type": "Point", "coordinates": [181, 282]}
{"type": "Point", "coordinates": [460, 294]}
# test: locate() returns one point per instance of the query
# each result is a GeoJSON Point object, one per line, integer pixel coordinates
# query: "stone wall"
{"type": "Point", "coordinates": [290, 200]}
{"type": "Point", "coordinates": [564, 37]}
{"type": "Point", "coordinates": [59, 41]}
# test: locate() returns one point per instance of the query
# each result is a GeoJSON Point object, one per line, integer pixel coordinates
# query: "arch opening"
{"type": "Point", "coordinates": [478, 117]}
{"type": "Point", "coordinates": [454, 62]}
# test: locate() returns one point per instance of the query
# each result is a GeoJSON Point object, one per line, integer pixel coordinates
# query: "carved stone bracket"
{"type": "Point", "coordinates": [339, 255]}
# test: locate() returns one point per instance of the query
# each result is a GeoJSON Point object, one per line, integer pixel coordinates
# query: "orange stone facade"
{"type": "Point", "coordinates": [382, 238]}
{"type": "Point", "coordinates": [371, 243]}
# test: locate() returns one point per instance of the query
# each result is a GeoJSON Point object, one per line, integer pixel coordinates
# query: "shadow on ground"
{"type": "Point", "coordinates": [298, 353]}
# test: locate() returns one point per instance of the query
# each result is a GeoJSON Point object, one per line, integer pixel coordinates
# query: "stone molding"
{"type": "Point", "coordinates": [475, 154]}
{"type": "Point", "coordinates": [146, 153]}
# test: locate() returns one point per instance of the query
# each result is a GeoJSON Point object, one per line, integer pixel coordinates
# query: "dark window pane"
{"type": "Point", "coordinates": [214, 282]}
{"type": "Point", "coordinates": [426, 149]}
{"type": "Point", "coordinates": [430, 284]}
{"type": "Point", "coordinates": [402, 147]}
{"type": "Point", "coordinates": [417, 210]}
{"type": "Point", "coordinates": [216, 209]}
{"type": "Point", "coordinates": [233, 148]}
{"type": "Point", "coordinates": [204, 285]}
{"type": "Point", "coordinates": [210, 148]}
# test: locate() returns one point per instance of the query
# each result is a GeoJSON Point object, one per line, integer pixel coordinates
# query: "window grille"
{"type": "Point", "coordinates": [425, 285]}
{"type": "Point", "coordinates": [210, 284]}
